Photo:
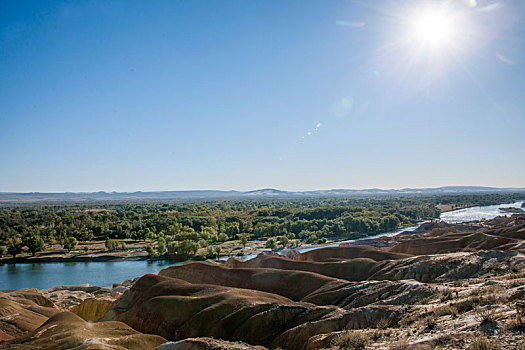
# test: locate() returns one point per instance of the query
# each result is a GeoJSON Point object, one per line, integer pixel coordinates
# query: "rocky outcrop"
{"type": "Point", "coordinates": [68, 331]}
{"type": "Point", "coordinates": [358, 318]}
{"type": "Point", "coordinates": [5, 336]}
{"type": "Point", "coordinates": [350, 270]}
{"type": "Point", "coordinates": [301, 285]}
{"type": "Point", "coordinates": [349, 252]}
{"type": "Point", "coordinates": [207, 344]}
{"type": "Point", "coordinates": [123, 286]}
{"type": "Point", "coordinates": [294, 285]}
{"type": "Point", "coordinates": [92, 309]}
{"type": "Point", "coordinates": [24, 310]}
{"type": "Point", "coordinates": [497, 234]}
{"type": "Point", "coordinates": [178, 309]}
{"type": "Point", "coordinates": [456, 242]}
{"type": "Point", "coordinates": [67, 297]}
{"type": "Point", "coordinates": [424, 268]}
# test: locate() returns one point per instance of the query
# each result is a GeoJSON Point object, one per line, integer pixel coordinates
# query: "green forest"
{"type": "Point", "coordinates": [181, 228]}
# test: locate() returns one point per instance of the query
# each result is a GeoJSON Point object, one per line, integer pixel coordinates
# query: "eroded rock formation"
{"type": "Point", "coordinates": [23, 311]}
{"type": "Point", "coordinates": [423, 288]}
{"type": "Point", "coordinates": [207, 344]}
{"type": "Point", "coordinates": [66, 330]}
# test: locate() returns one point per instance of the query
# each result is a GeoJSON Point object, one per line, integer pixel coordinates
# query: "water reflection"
{"type": "Point", "coordinates": [36, 267]}
{"type": "Point", "coordinates": [478, 213]}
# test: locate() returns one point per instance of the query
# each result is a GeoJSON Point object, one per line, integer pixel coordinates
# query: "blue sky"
{"type": "Point", "coordinates": [173, 95]}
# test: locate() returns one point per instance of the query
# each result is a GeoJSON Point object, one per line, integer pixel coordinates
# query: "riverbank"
{"type": "Point", "coordinates": [84, 252]}
{"type": "Point", "coordinates": [231, 248]}
{"type": "Point", "coordinates": [56, 254]}
{"type": "Point", "coordinates": [451, 207]}
{"type": "Point", "coordinates": [136, 251]}
{"type": "Point", "coordinates": [95, 251]}
{"type": "Point", "coordinates": [105, 273]}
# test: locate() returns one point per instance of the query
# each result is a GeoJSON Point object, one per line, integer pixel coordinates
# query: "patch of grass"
{"type": "Point", "coordinates": [383, 323]}
{"type": "Point", "coordinates": [496, 267]}
{"type": "Point", "coordinates": [517, 323]}
{"type": "Point", "coordinates": [483, 343]}
{"type": "Point", "coordinates": [446, 310]}
{"type": "Point", "coordinates": [400, 345]}
{"type": "Point", "coordinates": [466, 304]}
{"type": "Point", "coordinates": [517, 275]}
{"type": "Point", "coordinates": [429, 322]}
{"type": "Point", "coordinates": [486, 316]}
{"type": "Point", "coordinates": [475, 299]}
{"type": "Point", "coordinates": [412, 317]}
{"type": "Point", "coordinates": [515, 283]}
{"type": "Point", "coordinates": [445, 295]}
{"type": "Point", "coordinates": [351, 340]}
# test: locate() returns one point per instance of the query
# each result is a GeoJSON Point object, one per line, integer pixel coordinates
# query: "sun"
{"type": "Point", "coordinates": [424, 40]}
{"type": "Point", "coordinates": [433, 26]}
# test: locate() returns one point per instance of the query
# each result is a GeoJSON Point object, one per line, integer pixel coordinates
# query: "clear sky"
{"type": "Point", "coordinates": [237, 94]}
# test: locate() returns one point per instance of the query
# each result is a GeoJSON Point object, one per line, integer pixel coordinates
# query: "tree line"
{"type": "Point", "coordinates": [181, 228]}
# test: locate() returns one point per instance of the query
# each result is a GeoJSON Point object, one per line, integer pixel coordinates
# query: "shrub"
{"type": "Point", "coordinates": [183, 250]}
{"type": "Point", "coordinates": [151, 236]}
{"type": "Point", "coordinates": [400, 345]}
{"type": "Point", "coordinates": [210, 254]}
{"type": "Point", "coordinates": [351, 340]}
{"type": "Point", "coordinates": [34, 244]}
{"type": "Point", "coordinates": [483, 343]}
{"type": "Point", "coordinates": [150, 250]}
{"type": "Point", "coordinates": [244, 241]}
{"type": "Point", "coordinates": [517, 323]}
{"type": "Point", "coordinates": [270, 243]}
{"type": "Point", "coordinates": [111, 244]}
{"type": "Point", "coordinates": [485, 315]}
{"type": "Point", "coordinates": [446, 310]}
{"type": "Point", "coordinates": [429, 322]}
{"type": "Point", "coordinates": [161, 246]}
{"type": "Point", "coordinates": [475, 299]}
{"type": "Point", "coordinates": [383, 323]}
{"type": "Point", "coordinates": [14, 246]}
{"type": "Point", "coordinates": [445, 295]}
{"type": "Point", "coordinates": [70, 243]}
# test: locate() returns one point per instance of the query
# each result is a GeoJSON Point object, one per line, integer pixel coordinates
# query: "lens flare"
{"type": "Point", "coordinates": [433, 26]}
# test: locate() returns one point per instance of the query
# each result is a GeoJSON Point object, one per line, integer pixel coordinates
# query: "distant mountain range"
{"type": "Point", "coordinates": [6, 197]}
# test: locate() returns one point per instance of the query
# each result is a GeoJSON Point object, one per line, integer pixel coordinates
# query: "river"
{"type": "Point", "coordinates": [46, 275]}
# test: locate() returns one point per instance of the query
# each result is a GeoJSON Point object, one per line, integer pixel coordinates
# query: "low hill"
{"type": "Point", "coordinates": [139, 196]}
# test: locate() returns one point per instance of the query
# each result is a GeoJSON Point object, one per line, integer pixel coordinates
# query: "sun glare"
{"type": "Point", "coordinates": [424, 39]}
{"type": "Point", "coordinates": [431, 27]}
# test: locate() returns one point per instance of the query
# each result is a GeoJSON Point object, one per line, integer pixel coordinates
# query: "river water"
{"type": "Point", "coordinates": [46, 275]}
{"type": "Point", "coordinates": [477, 213]}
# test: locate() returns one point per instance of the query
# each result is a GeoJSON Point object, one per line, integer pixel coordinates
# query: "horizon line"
{"type": "Point", "coordinates": [270, 189]}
